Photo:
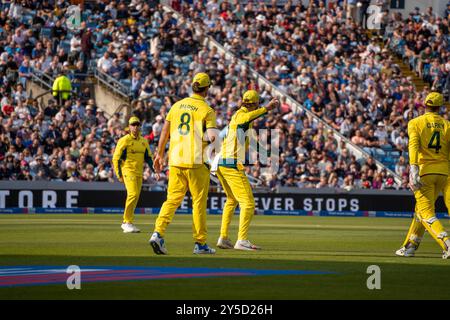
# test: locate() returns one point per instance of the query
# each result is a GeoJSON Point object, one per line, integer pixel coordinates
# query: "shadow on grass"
{"type": "Point", "coordinates": [399, 281]}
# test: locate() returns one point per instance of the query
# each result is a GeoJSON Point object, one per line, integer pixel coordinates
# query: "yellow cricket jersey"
{"type": "Point", "coordinates": [235, 143]}
{"type": "Point", "coordinates": [429, 139]}
{"type": "Point", "coordinates": [189, 119]}
{"type": "Point", "coordinates": [130, 154]}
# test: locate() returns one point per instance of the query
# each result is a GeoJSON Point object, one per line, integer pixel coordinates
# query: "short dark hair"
{"type": "Point", "coordinates": [198, 89]}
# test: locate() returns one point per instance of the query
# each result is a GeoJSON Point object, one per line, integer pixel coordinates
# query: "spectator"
{"type": "Point", "coordinates": [62, 88]}
{"type": "Point", "coordinates": [401, 142]}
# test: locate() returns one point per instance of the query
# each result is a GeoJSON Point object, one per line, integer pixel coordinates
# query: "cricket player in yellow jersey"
{"type": "Point", "coordinates": [189, 123]}
{"type": "Point", "coordinates": [131, 152]}
{"type": "Point", "coordinates": [230, 171]}
{"type": "Point", "coordinates": [429, 145]}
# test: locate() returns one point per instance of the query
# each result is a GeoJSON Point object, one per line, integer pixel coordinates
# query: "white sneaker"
{"type": "Point", "coordinates": [224, 243]}
{"type": "Point", "coordinates": [203, 249]}
{"type": "Point", "coordinates": [446, 254]}
{"type": "Point", "coordinates": [157, 243]}
{"type": "Point", "coordinates": [403, 252]}
{"type": "Point", "coordinates": [245, 245]}
{"type": "Point", "coordinates": [129, 228]}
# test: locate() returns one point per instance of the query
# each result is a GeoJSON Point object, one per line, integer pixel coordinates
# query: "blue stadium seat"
{"type": "Point", "coordinates": [187, 59]}
{"type": "Point", "coordinates": [46, 33]}
{"type": "Point", "coordinates": [92, 65]}
{"type": "Point", "coordinates": [184, 68]}
{"type": "Point", "coordinates": [26, 19]}
{"type": "Point", "coordinates": [166, 54]}
{"type": "Point", "coordinates": [394, 154]}
{"type": "Point", "coordinates": [102, 50]}
{"type": "Point", "coordinates": [85, 15]}
{"type": "Point", "coordinates": [65, 45]}
{"type": "Point", "coordinates": [126, 82]}
{"type": "Point", "coordinates": [387, 147]}
{"type": "Point", "coordinates": [157, 102]}
{"type": "Point", "coordinates": [379, 152]}
{"type": "Point", "coordinates": [91, 25]}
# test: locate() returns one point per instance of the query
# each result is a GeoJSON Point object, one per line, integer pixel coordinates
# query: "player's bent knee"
{"type": "Point", "coordinates": [248, 207]}
{"type": "Point", "coordinates": [132, 197]}
{"type": "Point", "coordinates": [231, 202]}
{"type": "Point", "coordinates": [415, 239]}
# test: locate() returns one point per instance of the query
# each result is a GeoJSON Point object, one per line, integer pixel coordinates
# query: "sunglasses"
{"type": "Point", "coordinates": [136, 124]}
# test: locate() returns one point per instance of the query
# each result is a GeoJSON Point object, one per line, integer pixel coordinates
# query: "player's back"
{"type": "Point", "coordinates": [430, 134]}
{"type": "Point", "coordinates": [189, 118]}
{"type": "Point", "coordinates": [234, 143]}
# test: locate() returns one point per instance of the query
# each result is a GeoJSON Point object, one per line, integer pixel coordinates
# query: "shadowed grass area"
{"type": "Point", "coordinates": [345, 246]}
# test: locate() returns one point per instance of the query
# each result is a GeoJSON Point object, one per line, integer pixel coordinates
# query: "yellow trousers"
{"type": "Point", "coordinates": [238, 191]}
{"type": "Point", "coordinates": [425, 216]}
{"type": "Point", "coordinates": [133, 185]}
{"type": "Point", "coordinates": [180, 181]}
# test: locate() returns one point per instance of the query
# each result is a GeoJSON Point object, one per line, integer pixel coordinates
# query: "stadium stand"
{"type": "Point", "coordinates": [328, 62]}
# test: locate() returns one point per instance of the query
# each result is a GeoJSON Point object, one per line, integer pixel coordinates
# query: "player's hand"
{"type": "Point", "coordinates": [273, 104]}
{"type": "Point", "coordinates": [414, 178]}
{"type": "Point", "coordinates": [157, 164]}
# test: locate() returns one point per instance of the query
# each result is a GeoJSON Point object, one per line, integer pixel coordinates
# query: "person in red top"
{"type": "Point", "coordinates": [7, 109]}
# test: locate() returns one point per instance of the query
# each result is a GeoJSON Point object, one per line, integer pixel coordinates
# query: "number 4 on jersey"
{"type": "Point", "coordinates": [435, 141]}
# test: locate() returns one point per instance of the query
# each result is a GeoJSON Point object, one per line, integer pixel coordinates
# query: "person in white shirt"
{"type": "Point", "coordinates": [105, 62]}
{"type": "Point", "coordinates": [114, 123]}
{"type": "Point", "coordinates": [381, 133]}
{"type": "Point", "coordinates": [22, 110]}
{"type": "Point", "coordinates": [401, 142]}
{"type": "Point", "coordinates": [157, 126]}
{"type": "Point", "coordinates": [75, 43]}
{"type": "Point", "coordinates": [332, 47]}
{"type": "Point", "coordinates": [19, 94]}
{"type": "Point", "coordinates": [346, 127]}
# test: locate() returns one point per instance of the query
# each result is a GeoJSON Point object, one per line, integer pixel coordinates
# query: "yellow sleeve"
{"type": "Point", "coordinates": [250, 137]}
{"type": "Point", "coordinates": [169, 115]}
{"type": "Point", "coordinates": [250, 116]}
{"type": "Point", "coordinates": [148, 157]}
{"type": "Point", "coordinates": [414, 143]}
{"type": "Point", "coordinates": [211, 119]}
{"type": "Point", "coordinates": [118, 155]}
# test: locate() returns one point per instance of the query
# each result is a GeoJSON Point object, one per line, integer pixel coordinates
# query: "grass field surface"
{"type": "Point", "coordinates": [345, 247]}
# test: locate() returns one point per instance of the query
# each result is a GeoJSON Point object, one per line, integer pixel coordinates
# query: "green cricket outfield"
{"type": "Point", "coordinates": [341, 248]}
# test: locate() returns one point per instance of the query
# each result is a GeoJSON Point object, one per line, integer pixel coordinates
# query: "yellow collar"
{"type": "Point", "coordinates": [245, 109]}
{"type": "Point", "coordinates": [197, 96]}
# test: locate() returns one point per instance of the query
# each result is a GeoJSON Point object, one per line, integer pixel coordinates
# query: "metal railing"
{"type": "Point", "coordinates": [42, 78]}
{"type": "Point", "coordinates": [46, 81]}
{"type": "Point", "coordinates": [113, 84]}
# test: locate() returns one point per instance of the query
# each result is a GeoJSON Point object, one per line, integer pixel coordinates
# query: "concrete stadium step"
{"type": "Point", "coordinates": [407, 72]}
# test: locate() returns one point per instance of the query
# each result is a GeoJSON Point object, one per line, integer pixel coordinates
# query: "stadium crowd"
{"type": "Point", "coordinates": [336, 72]}
{"type": "Point", "coordinates": [423, 40]}
{"type": "Point", "coordinates": [324, 59]}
